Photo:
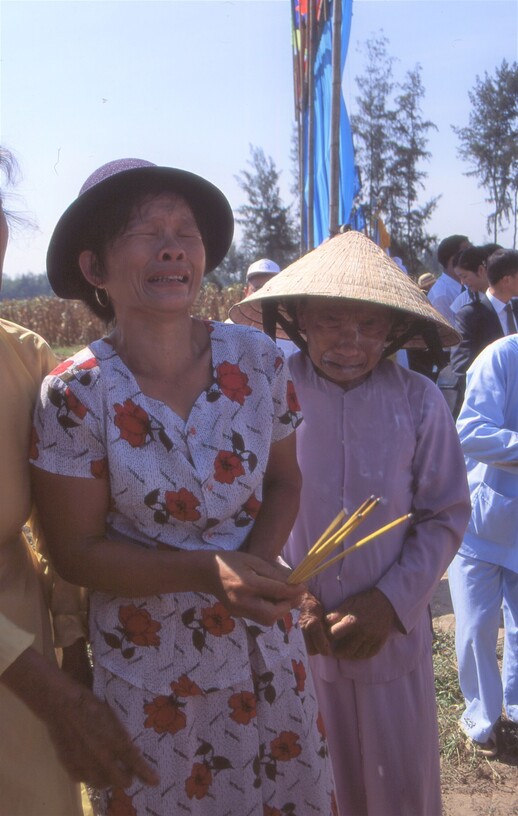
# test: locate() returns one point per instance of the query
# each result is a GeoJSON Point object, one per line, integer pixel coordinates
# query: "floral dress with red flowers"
{"type": "Point", "coordinates": [223, 708]}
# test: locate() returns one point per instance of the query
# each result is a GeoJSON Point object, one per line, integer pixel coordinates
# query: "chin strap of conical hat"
{"type": "Point", "coordinates": [430, 336]}
{"type": "Point", "coordinates": [272, 316]}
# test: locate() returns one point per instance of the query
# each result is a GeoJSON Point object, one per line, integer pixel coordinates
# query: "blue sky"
{"type": "Point", "coordinates": [192, 84]}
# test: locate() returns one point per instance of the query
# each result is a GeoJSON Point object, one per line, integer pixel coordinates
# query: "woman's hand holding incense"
{"type": "Point", "coordinates": [361, 625]}
{"type": "Point", "coordinates": [312, 622]}
{"type": "Point", "coordinates": [251, 587]}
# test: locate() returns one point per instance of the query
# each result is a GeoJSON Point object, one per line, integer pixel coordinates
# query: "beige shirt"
{"type": "Point", "coordinates": [32, 780]}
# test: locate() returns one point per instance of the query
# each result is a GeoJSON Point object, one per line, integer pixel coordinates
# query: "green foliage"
{"type": "Point", "coordinates": [371, 126]}
{"type": "Point", "coordinates": [268, 225]}
{"type": "Point", "coordinates": [390, 137]}
{"type": "Point", "coordinates": [406, 217]}
{"type": "Point", "coordinates": [490, 143]}
{"type": "Point", "coordinates": [232, 269]}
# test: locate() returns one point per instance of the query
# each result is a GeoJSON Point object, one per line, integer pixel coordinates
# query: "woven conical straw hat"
{"type": "Point", "coordinates": [353, 267]}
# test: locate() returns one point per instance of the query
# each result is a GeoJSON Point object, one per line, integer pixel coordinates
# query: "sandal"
{"type": "Point", "coordinates": [487, 749]}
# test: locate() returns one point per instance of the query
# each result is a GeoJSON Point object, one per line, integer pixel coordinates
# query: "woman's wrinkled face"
{"type": "Point", "coordinates": [345, 339]}
{"type": "Point", "coordinates": [156, 263]}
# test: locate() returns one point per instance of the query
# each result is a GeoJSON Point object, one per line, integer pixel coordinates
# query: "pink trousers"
{"type": "Point", "coordinates": [383, 742]}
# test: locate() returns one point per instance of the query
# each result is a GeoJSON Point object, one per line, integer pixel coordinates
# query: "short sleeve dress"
{"type": "Point", "coordinates": [224, 708]}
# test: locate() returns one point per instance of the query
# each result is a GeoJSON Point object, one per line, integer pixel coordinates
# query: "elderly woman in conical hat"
{"type": "Point", "coordinates": [165, 470]}
{"type": "Point", "coordinates": [370, 427]}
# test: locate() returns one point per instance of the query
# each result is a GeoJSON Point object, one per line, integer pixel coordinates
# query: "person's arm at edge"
{"type": "Point", "coordinates": [89, 740]}
{"type": "Point", "coordinates": [281, 493]}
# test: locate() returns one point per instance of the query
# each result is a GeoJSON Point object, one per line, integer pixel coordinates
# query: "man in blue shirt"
{"type": "Point", "coordinates": [484, 574]}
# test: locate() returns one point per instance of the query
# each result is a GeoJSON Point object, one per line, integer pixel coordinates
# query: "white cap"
{"type": "Point", "coordinates": [262, 267]}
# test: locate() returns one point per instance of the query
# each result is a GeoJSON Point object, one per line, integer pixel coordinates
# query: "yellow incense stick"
{"type": "Point", "coordinates": [311, 562]}
{"type": "Point", "coordinates": [351, 524]}
{"type": "Point", "coordinates": [325, 545]}
{"type": "Point", "coordinates": [312, 552]}
{"type": "Point", "coordinates": [359, 544]}
{"type": "Point", "coordinates": [327, 532]}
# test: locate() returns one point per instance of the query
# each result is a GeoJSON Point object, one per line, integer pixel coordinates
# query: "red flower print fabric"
{"type": "Point", "coordinates": [299, 670]}
{"type": "Point", "coordinates": [133, 423]}
{"type": "Point", "coordinates": [291, 398]}
{"type": "Point", "coordinates": [33, 448]}
{"type": "Point", "coordinates": [286, 746]}
{"type": "Point", "coordinates": [185, 483]}
{"type": "Point", "coordinates": [138, 626]}
{"type": "Point", "coordinates": [233, 382]}
{"type": "Point", "coordinates": [292, 415]}
{"type": "Point", "coordinates": [227, 467]}
{"type": "Point", "coordinates": [199, 782]}
{"type": "Point", "coordinates": [99, 468]}
{"type": "Point", "coordinates": [252, 506]}
{"type": "Point", "coordinates": [244, 707]}
{"type": "Point", "coordinates": [165, 715]}
{"type": "Point", "coordinates": [217, 621]}
{"type": "Point", "coordinates": [74, 405]}
{"type": "Point", "coordinates": [182, 505]}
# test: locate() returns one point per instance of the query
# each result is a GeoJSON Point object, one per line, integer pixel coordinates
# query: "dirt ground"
{"type": "Point", "coordinates": [494, 790]}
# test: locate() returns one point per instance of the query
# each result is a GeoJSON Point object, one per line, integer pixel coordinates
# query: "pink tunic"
{"type": "Point", "coordinates": [392, 436]}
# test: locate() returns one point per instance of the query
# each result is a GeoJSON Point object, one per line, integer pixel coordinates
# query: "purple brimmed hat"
{"type": "Point", "coordinates": [210, 208]}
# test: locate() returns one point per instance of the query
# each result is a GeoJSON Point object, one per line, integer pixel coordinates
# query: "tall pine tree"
{"type": "Point", "coordinates": [371, 127]}
{"type": "Point", "coordinates": [490, 143]}
{"type": "Point", "coordinates": [268, 225]}
{"type": "Point", "coordinates": [390, 138]}
{"type": "Point", "coordinates": [406, 217]}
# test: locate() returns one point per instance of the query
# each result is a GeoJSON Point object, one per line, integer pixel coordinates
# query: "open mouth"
{"type": "Point", "coordinates": [169, 279]}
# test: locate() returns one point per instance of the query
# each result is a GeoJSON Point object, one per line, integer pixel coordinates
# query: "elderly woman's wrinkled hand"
{"type": "Point", "coordinates": [312, 622]}
{"type": "Point", "coordinates": [361, 625]}
{"type": "Point", "coordinates": [251, 587]}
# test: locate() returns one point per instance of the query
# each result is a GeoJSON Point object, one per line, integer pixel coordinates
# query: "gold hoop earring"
{"type": "Point", "coordinates": [102, 303]}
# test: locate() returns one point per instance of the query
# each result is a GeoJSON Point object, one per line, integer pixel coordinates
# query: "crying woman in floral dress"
{"type": "Point", "coordinates": [165, 470]}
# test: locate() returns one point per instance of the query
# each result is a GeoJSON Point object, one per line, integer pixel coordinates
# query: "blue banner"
{"type": "Point", "coordinates": [322, 93]}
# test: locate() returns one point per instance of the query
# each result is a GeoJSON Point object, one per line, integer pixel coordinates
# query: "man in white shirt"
{"type": "Point", "coordinates": [470, 266]}
{"type": "Point", "coordinates": [447, 287]}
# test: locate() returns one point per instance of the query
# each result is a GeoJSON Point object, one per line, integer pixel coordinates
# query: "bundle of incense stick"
{"type": "Point", "coordinates": [315, 562]}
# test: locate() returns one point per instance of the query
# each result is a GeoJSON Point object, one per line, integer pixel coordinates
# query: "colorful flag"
{"type": "Point", "coordinates": [315, 60]}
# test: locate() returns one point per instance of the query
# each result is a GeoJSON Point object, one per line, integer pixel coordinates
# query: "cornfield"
{"type": "Point", "coordinates": [70, 323]}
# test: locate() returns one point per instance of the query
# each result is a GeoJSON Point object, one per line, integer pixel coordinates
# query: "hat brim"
{"type": "Point", "coordinates": [349, 267]}
{"type": "Point", "coordinates": [210, 207]}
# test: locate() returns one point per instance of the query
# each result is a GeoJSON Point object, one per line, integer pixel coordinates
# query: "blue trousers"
{"type": "Point", "coordinates": [478, 591]}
